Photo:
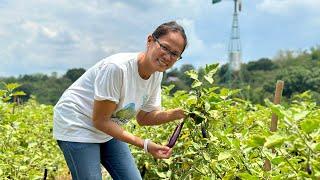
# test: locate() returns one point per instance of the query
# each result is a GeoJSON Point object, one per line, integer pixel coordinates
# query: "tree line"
{"type": "Point", "coordinates": [299, 70]}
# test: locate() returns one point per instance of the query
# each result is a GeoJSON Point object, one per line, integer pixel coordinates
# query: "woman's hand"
{"type": "Point", "coordinates": [180, 113]}
{"type": "Point", "coordinates": [159, 151]}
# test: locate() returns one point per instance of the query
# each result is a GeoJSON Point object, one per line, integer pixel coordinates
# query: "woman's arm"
{"type": "Point", "coordinates": [102, 111]}
{"type": "Point", "coordinates": [159, 117]}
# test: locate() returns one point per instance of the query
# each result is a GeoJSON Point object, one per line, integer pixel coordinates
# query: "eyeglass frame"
{"type": "Point", "coordinates": [172, 54]}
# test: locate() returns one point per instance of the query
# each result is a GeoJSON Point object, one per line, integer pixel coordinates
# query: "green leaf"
{"type": "Point", "coordinates": [192, 74]}
{"type": "Point", "coordinates": [196, 145]}
{"type": "Point", "coordinates": [207, 106]}
{"type": "Point", "coordinates": [213, 163]}
{"type": "Point", "coordinates": [161, 174]}
{"type": "Point", "coordinates": [277, 160]}
{"type": "Point", "coordinates": [224, 155]}
{"type": "Point", "coordinates": [301, 115]}
{"type": "Point", "coordinates": [196, 83]}
{"type": "Point", "coordinates": [6, 98]}
{"type": "Point", "coordinates": [275, 140]}
{"type": "Point", "coordinates": [310, 125]}
{"type": "Point", "coordinates": [167, 161]}
{"type": "Point", "coordinates": [12, 86]}
{"type": "Point", "coordinates": [2, 92]}
{"type": "Point", "coordinates": [277, 109]}
{"type": "Point", "coordinates": [19, 93]}
{"type": "Point", "coordinates": [209, 79]}
{"type": "Point", "coordinates": [211, 68]}
{"type": "Point", "coordinates": [256, 141]}
{"type": "Point", "coordinates": [224, 93]}
{"type": "Point", "coordinates": [316, 147]}
{"type": "Point", "coordinates": [206, 156]}
{"type": "Point", "coordinates": [247, 176]}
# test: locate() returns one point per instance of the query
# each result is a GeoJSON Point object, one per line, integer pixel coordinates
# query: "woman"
{"type": "Point", "coordinates": [89, 114]}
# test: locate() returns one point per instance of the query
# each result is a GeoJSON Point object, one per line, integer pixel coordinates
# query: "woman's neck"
{"type": "Point", "coordinates": [144, 66]}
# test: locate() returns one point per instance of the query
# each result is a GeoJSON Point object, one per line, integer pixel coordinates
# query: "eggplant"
{"type": "Point", "coordinates": [309, 169]}
{"type": "Point", "coordinates": [174, 137]}
{"type": "Point", "coordinates": [204, 132]}
{"type": "Point", "coordinates": [143, 171]}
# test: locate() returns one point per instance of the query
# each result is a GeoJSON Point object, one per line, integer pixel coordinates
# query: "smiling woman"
{"type": "Point", "coordinates": [119, 88]}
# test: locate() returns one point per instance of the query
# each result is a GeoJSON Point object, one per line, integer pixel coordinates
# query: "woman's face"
{"type": "Point", "coordinates": [164, 51]}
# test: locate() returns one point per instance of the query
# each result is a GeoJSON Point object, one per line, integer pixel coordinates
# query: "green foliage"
{"type": "Point", "coordinates": [178, 78]}
{"type": "Point", "coordinates": [74, 74]}
{"type": "Point", "coordinates": [239, 139]}
{"type": "Point", "coordinates": [9, 91]}
{"type": "Point", "coordinates": [46, 89]}
{"type": "Point", "coordinates": [27, 147]}
{"type": "Point", "coordinates": [264, 64]}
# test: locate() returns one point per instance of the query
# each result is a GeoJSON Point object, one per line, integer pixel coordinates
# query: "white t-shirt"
{"type": "Point", "coordinates": [114, 78]}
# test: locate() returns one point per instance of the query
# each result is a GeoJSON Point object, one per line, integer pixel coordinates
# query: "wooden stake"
{"type": "Point", "coordinates": [274, 118]}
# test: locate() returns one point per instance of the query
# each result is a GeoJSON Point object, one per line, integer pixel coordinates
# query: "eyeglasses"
{"type": "Point", "coordinates": [164, 48]}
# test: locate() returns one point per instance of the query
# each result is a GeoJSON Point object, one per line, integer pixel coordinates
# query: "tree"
{"type": "Point", "coordinates": [315, 53]}
{"type": "Point", "coordinates": [74, 74]}
{"type": "Point", "coordinates": [263, 64]}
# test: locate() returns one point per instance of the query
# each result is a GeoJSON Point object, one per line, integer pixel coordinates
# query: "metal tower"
{"type": "Point", "coordinates": [233, 76]}
{"type": "Point", "coordinates": [234, 49]}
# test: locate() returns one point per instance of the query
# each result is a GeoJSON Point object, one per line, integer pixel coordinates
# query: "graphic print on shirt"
{"type": "Point", "coordinates": [126, 113]}
{"type": "Point", "coordinates": [144, 100]}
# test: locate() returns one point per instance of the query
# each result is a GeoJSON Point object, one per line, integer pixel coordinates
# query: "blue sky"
{"type": "Point", "coordinates": [45, 36]}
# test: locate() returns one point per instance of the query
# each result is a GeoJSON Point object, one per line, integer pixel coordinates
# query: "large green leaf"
{"type": "Point", "coordinates": [309, 125]}
{"type": "Point", "coordinates": [256, 141]}
{"type": "Point", "coordinates": [192, 74]}
{"type": "Point", "coordinates": [224, 155]}
{"type": "Point", "coordinates": [275, 140]}
{"type": "Point", "coordinates": [19, 93]}
{"type": "Point", "coordinates": [12, 86]}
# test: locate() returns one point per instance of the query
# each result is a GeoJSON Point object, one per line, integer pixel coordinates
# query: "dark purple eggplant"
{"type": "Point", "coordinates": [174, 137]}
{"type": "Point", "coordinates": [309, 169]}
{"type": "Point", "coordinates": [204, 132]}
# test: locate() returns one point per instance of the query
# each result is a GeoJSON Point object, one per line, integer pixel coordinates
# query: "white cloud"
{"type": "Point", "coordinates": [62, 32]}
{"type": "Point", "coordinates": [196, 45]}
{"type": "Point", "coordinates": [57, 35]}
{"type": "Point", "coordinates": [204, 53]}
{"type": "Point", "coordinates": [288, 6]}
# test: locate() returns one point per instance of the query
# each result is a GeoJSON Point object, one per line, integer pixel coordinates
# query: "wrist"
{"type": "Point", "coordinates": [145, 145]}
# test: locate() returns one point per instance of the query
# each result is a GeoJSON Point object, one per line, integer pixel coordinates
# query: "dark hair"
{"type": "Point", "coordinates": [168, 27]}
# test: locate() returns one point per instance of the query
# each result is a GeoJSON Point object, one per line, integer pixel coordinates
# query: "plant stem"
{"type": "Point", "coordinates": [288, 162]}
{"type": "Point", "coordinates": [245, 165]}
{"type": "Point", "coordinates": [298, 132]}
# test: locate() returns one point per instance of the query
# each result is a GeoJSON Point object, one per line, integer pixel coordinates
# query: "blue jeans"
{"type": "Point", "coordinates": [83, 160]}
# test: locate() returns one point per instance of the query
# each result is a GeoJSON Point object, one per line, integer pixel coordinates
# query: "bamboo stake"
{"type": "Point", "coordinates": [274, 118]}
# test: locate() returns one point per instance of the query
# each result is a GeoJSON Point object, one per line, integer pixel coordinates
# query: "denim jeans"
{"type": "Point", "coordinates": [83, 160]}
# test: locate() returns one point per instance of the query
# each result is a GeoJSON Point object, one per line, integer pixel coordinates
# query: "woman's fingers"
{"type": "Point", "coordinates": [159, 151]}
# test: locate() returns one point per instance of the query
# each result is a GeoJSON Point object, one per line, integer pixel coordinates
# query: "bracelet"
{"type": "Point", "coordinates": [145, 145]}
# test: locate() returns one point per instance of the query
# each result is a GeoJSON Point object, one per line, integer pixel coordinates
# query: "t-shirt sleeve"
{"type": "Point", "coordinates": [154, 100]}
{"type": "Point", "coordinates": [108, 82]}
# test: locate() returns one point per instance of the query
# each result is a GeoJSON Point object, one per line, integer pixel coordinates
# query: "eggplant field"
{"type": "Point", "coordinates": [224, 136]}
